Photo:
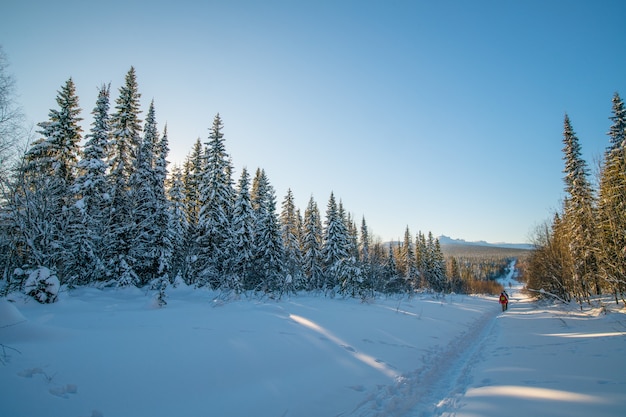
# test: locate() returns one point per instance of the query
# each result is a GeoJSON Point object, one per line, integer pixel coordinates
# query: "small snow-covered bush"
{"type": "Point", "coordinates": [42, 284]}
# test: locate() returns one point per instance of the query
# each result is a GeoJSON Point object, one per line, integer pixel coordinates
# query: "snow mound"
{"type": "Point", "coordinates": [9, 314]}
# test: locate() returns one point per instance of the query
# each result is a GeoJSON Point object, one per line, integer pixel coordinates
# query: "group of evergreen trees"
{"type": "Point", "coordinates": [583, 251]}
{"type": "Point", "coordinates": [103, 209]}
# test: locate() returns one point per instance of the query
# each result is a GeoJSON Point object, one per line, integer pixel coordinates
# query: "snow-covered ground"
{"type": "Point", "coordinates": [111, 353]}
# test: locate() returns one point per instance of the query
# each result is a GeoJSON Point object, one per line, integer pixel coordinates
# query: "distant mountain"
{"type": "Point", "coordinates": [446, 240]}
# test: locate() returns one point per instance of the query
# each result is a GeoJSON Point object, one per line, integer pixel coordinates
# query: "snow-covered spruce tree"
{"type": "Point", "coordinates": [192, 178]}
{"type": "Point", "coordinates": [216, 196]}
{"type": "Point", "coordinates": [125, 141]}
{"type": "Point", "coordinates": [92, 192]}
{"type": "Point", "coordinates": [312, 247]}
{"type": "Point", "coordinates": [352, 278]}
{"type": "Point", "coordinates": [178, 226]}
{"type": "Point", "coordinates": [45, 193]}
{"type": "Point", "coordinates": [612, 206]}
{"type": "Point", "coordinates": [407, 260]}
{"type": "Point", "coordinates": [268, 258]}
{"type": "Point", "coordinates": [420, 258]}
{"type": "Point", "coordinates": [147, 209]}
{"type": "Point", "coordinates": [436, 274]}
{"type": "Point", "coordinates": [241, 245]}
{"type": "Point", "coordinates": [163, 236]}
{"type": "Point", "coordinates": [193, 168]}
{"type": "Point", "coordinates": [394, 283]}
{"type": "Point", "coordinates": [365, 260]}
{"type": "Point", "coordinates": [579, 217]}
{"type": "Point", "coordinates": [334, 247]}
{"type": "Point", "coordinates": [291, 237]}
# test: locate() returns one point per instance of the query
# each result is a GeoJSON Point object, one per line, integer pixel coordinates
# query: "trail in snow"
{"type": "Point", "coordinates": [545, 359]}
{"type": "Point", "coordinates": [433, 389]}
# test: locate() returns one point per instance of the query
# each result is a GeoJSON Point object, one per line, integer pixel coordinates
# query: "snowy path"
{"type": "Point", "coordinates": [529, 361]}
{"type": "Point", "coordinates": [549, 362]}
{"type": "Point", "coordinates": [422, 392]}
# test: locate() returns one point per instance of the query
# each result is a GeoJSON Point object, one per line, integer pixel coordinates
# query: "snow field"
{"type": "Point", "coordinates": [304, 356]}
{"type": "Point", "coordinates": [104, 353]}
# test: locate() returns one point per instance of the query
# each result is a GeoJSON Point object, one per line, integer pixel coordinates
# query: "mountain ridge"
{"type": "Point", "coordinates": [448, 241]}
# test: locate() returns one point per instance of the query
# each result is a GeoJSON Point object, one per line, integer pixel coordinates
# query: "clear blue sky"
{"type": "Point", "coordinates": [444, 116]}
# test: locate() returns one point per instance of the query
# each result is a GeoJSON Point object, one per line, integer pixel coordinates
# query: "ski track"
{"type": "Point", "coordinates": [436, 388]}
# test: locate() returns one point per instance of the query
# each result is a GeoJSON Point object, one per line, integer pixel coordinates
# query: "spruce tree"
{"type": "Point", "coordinates": [192, 178]}
{"type": "Point", "coordinates": [436, 265]}
{"type": "Point", "coordinates": [335, 246]}
{"type": "Point", "coordinates": [47, 197]}
{"type": "Point", "coordinates": [178, 226]}
{"type": "Point", "coordinates": [290, 233]}
{"type": "Point", "coordinates": [241, 246]}
{"type": "Point", "coordinates": [579, 216]}
{"type": "Point", "coordinates": [612, 205]}
{"type": "Point", "coordinates": [163, 236]}
{"type": "Point", "coordinates": [420, 259]}
{"type": "Point", "coordinates": [312, 247]}
{"type": "Point", "coordinates": [143, 188]}
{"type": "Point", "coordinates": [268, 245]}
{"type": "Point", "coordinates": [125, 141]}
{"type": "Point", "coordinates": [408, 260]}
{"type": "Point", "coordinates": [392, 280]}
{"type": "Point", "coordinates": [92, 189]}
{"type": "Point", "coordinates": [216, 195]}
{"type": "Point", "coordinates": [365, 260]}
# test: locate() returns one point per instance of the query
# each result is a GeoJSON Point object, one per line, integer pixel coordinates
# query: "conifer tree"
{"type": "Point", "coordinates": [193, 169]}
{"type": "Point", "coordinates": [351, 280]}
{"type": "Point", "coordinates": [163, 237]}
{"type": "Point", "coordinates": [335, 245]}
{"type": "Point", "coordinates": [144, 185]}
{"type": "Point", "coordinates": [365, 261]}
{"type": "Point", "coordinates": [393, 282]}
{"type": "Point", "coordinates": [290, 233]}
{"type": "Point", "coordinates": [49, 174]}
{"type": "Point", "coordinates": [268, 245]}
{"type": "Point", "coordinates": [93, 192]}
{"type": "Point", "coordinates": [216, 196]}
{"type": "Point", "coordinates": [421, 258]}
{"type": "Point", "coordinates": [241, 246]}
{"type": "Point", "coordinates": [126, 130]}
{"type": "Point", "coordinates": [436, 265]}
{"type": "Point", "coordinates": [579, 216]}
{"type": "Point", "coordinates": [125, 141]}
{"type": "Point", "coordinates": [408, 260]}
{"type": "Point", "coordinates": [612, 205]}
{"type": "Point", "coordinates": [178, 226]}
{"type": "Point", "coordinates": [312, 246]}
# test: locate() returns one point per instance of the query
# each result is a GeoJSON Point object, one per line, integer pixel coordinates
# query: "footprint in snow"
{"type": "Point", "coordinates": [64, 390]}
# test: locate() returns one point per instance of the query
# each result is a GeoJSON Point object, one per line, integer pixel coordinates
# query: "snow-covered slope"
{"type": "Point", "coordinates": [112, 353]}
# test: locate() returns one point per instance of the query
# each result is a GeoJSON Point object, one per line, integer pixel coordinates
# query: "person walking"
{"type": "Point", "coordinates": [504, 301]}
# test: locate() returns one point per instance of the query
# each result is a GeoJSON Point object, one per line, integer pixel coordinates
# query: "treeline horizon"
{"type": "Point", "coordinates": [104, 209]}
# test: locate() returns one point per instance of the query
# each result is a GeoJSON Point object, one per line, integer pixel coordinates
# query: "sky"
{"type": "Point", "coordinates": [440, 116]}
